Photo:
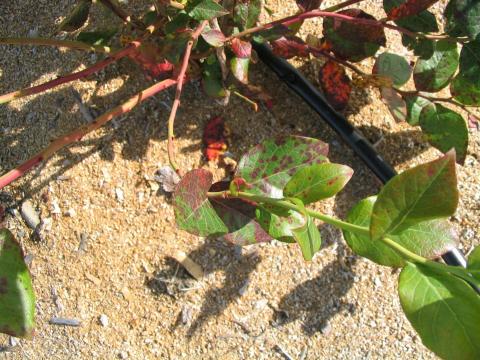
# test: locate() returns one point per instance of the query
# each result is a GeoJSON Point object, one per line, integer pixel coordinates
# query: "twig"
{"type": "Point", "coordinates": [176, 102]}
{"type": "Point", "coordinates": [78, 134]}
{"type": "Point", "coordinates": [75, 45]}
{"type": "Point", "coordinates": [122, 14]}
{"type": "Point", "coordinates": [75, 76]}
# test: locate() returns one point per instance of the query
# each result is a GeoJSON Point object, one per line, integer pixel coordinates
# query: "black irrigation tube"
{"type": "Point", "coordinates": [361, 146]}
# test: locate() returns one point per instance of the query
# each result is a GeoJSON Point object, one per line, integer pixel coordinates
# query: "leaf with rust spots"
{"type": "Point", "coordinates": [240, 218]}
{"type": "Point", "coordinates": [17, 300]}
{"type": "Point", "coordinates": [268, 167]}
{"type": "Point", "coordinates": [279, 222]}
{"type": "Point", "coordinates": [288, 47]}
{"type": "Point", "coordinates": [336, 85]}
{"type": "Point", "coordinates": [318, 182]}
{"type": "Point", "coordinates": [193, 211]}
{"type": "Point", "coordinates": [398, 9]}
{"type": "Point", "coordinates": [353, 41]}
{"type": "Point", "coordinates": [425, 192]}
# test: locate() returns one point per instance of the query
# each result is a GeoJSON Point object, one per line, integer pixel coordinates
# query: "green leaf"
{"type": "Point", "coordinates": [353, 41]}
{"type": "Point", "coordinates": [240, 218]}
{"type": "Point", "coordinates": [97, 38]}
{"type": "Point", "coordinates": [239, 67]}
{"type": "Point", "coordinates": [178, 22]}
{"type": "Point", "coordinates": [429, 239]}
{"type": "Point", "coordinates": [317, 182]}
{"type": "Point", "coordinates": [246, 13]}
{"type": "Point", "coordinates": [17, 300]}
{"type": "Point", "coordinates": [77, 18]}
{"type": "Point", "coordinates": [193, 211]}
{"type": "Point", "coordinates": [425, 192]}
{"type": "Point", "coordinates": [393, 66]}
{"type": "Point", "coordinates": [466, 88]}
{"type": "Point", "coordinates": [308, 237]}
{"type": "Point", "coordinates": [269, 166]}
{"type": "Point", "coordinates": [395, 103]}
{"type": "Point", "coordinates": [415, 105]}
{"type": "Point", "coordinates": [474, 259]}
{"type": "Point", "coordinates": [207, 10]}
{"type": "Point", "coordinates": [463, 18]}
{"type": "Point", "coordinates": [424, 22]}
{"type": "Point", "coordinates": [443, 309]}
{"type": "Point", "coordinates": [445, 129]}
{"type": "Point", "coordinates": [278, 223]}
{"type": "Point", "coordinates": [434, 73]}
{"type": "Point", "coordinates": [212, 77]}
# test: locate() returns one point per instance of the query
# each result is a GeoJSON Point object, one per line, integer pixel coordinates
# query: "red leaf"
{"type": "Point", "coordinates": [242, 49]}
{"type": "Point", "coordinates": [409, 8]}
{"type": "Point", "coordinates": [288, 47]}
{"type": "Point", "coordinates": [215, 138]}
{"type": "Point", "coordinates": [307, 5]}
{"type": "Point", "coordinates": [150, 59]}
{"type": "Point", "coordinates": [335, 84]}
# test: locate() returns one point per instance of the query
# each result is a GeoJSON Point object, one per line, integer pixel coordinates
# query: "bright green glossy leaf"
{"type": "Point", "coordinates": [434, 73]}
{"type": "Point", "coordinates": [193, 211]}
{"type": "Point", "coordinates": [463, 18]}
{"type": "Point", "coordinates": [445, 129]}
{"type": "Point", "coordinates": [425, 192]}
{"type": "Point", "coordinates": [317, 182]}
{"type": "Point", "coordinates": [415, 105]}
{"type": "Point", "coordinates": [97, 38]}
{"type": "Point", "coordinates": [429, 239]}
{"type": "Point", "coordinates": [207, 10]}
{"type": "Point", "coordinates": [17, 300]}
{"type": "Point", "coordinates": [269, 166]}
{"type": "Point", "coordinates": [393, 66]}
{"type": "Point", "coordinates": [308, 237]}
{"type": "Point", "coordinates": [77, 18]}
{"type": "Point", "coordinates": [474, 259]}
{"type": "Point", "coordinates": [443, 309]}
{"type": "Point", "coordinates": [212, 78]}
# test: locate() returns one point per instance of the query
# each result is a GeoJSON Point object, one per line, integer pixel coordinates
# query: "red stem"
{"type": "Point", "coordinates": [178, 93]}
{"type": "Point", "coordinates": [82, 131]}
{"type": "Point", "coordinates": [75, 76]}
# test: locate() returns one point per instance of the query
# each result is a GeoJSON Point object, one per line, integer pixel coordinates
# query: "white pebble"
{"type": "Point", "coordinates": [103, 320]}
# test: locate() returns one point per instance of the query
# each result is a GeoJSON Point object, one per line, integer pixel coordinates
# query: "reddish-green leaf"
{"type": "Point", "coordinates": [193, 211]}
{"type": "Point", "coordinates": [17, 300]}
{"type": "Point", "coordinates": [434, 73]}
{"type": "Point", "coordinates": [307, 5]}
{"type": "Point", "coordinates": [395, 103]}
{"type": "Point", "coordinates": [397, 9]}
{"type": "Point", "coordinates": [288, 47]}
{"type": "Point", "coordinates": [317, 182]}
{"type": "Point", "coordinates": [443, 309]}
{"type": "Point", "coordinates": [393, 66]}
{"type": "Point", "coordinates": [239, 217]}
{"type": "Point", "coordinates": [241, 49]}
{"type": "Point", "coordinates": [214, 37]}
{"type": "Point", "coordinates": [335, 84]}
{"type": "Point", "coordinates": [268, 167]}
{"type": "Point", "coordinates": [429, 239]}
{"type": "Point", "coordinates": [415, 105]}
{"type": "Point", "coordinates": [445, 129]}
{"type": "Point", "coordinates": [239, 67]}
{"type": "Point", "coordinates": [425, 192]}
{"type": "Point", "coordinates": [78, 17]}
{"type": "Point", "coordinates": [353, 41]}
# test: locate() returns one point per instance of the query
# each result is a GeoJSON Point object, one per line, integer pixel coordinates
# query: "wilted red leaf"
{"type": "Point", "coordinates": [335, 84]}
{"type": "Point", "coordinates": [409, 8]}
{"type": "Point", "coordinates": [307, 5]}
{"type": "Point", "coordinates": [242, 49]}
{"type": "Point", "coordinates": [149, 57]}
{"type": "Point", "coordinates": [288, 47]}
{"type": "Point", "coordinates": [215, 138]}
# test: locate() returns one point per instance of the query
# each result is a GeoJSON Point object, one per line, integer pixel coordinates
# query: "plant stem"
{"type": "Point", "coordinates": [78, 134]}
{"type": "Point", "coordinates": [176, 102]}
{"type": "Point", "coordinates": [342, 5]}
{"type": "Point", "coordinates": [76, 45]}
{"type": "Point", "coordinates": [317, 52]}
{"type": "Point", "coordinates": [71, 77]}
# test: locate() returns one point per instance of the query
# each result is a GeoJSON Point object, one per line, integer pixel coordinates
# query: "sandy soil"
{"type": "Point", "coordinates": [104, 256]}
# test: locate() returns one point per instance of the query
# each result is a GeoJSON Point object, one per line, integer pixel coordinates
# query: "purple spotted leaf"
{"type": "Point", "coordinates": [269, 166]}
{"type": "Point", "coordinates": [193, 210]}
{"type": "Point", "coordinates": [317, 182]}
{"type": "Point", "coordinates": [17, 300]}
{"type": "Point", "coordinates": [425, 192]}
{"type": "Point", "coordinates": [239, 217]}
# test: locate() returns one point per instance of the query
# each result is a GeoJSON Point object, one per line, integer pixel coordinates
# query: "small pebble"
{"type": "Point", "coordinates": [326, 328]}
{"type": "Point", "coordinates": [119, 195]}
{"type": "Point", "coordinates": [122, 355]}
{"type": "Point", "coordinates": [64, 322]}
{"type": "Point", "coordinates": [70, 212]}
{"type": "Point", "coordinates": [103, 320]}
{"type": "Point", "coordinates": [29, 214]}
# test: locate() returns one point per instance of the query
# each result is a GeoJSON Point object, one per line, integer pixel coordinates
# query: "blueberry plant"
{"type": "Point", "coordinates": [405, 226]}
